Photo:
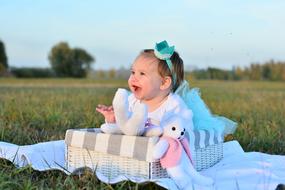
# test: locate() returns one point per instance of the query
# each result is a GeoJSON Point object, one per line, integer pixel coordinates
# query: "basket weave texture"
{"type": "Point", "coordinates": [112, 166]}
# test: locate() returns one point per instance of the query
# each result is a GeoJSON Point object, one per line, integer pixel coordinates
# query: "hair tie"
{"type": "Point", "coordinates": [164, 52]}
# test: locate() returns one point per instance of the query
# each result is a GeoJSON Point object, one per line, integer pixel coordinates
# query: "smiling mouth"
{"type": "Point", "coordinates": [135, 88]}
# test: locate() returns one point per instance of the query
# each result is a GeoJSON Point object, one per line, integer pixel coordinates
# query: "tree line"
{"type": "Point", "coordinates": [3, 59]}
{"type": "Point", "coordinates": [64, 60]}
{"type": "Point", "coordinates": [76, 62]}
{"type": "Point", "coordinates": [270, 70]}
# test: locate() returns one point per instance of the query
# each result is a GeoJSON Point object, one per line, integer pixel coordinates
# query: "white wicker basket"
{"type": "Point", "coordinates": [112, 166]}
{"type": "Point", "coordinates": [209, 156]}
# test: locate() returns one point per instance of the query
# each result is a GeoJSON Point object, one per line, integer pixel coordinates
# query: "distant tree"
{"type": "Point", "coordinates": [282, 71]}
{"type": "Point", "coordinates": [218, 74]}
{"type": "Point", "coordinates": [32, 72]}
{"type": "Point", "coordinates": [101, 74]}
{"type": "Point", "coordinates": [68, 62]}
{"type": "Point", "coordinates": [112, 73]}
{"type": "Point", "coordinates": [3, 58]}
{"type": "Point", "coordinates": [255, 71]}
{"type": "Point", "coordinates": [267, 72]}
{"type": "Point", "coordinates": [237, 73]}
{"type": "Point", "coordinates": [200, 74]}
{"type": "Point", "coordinates": [276, 70]}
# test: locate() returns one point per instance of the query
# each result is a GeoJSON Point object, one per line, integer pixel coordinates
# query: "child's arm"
{"type": "Point", "coordinates": [107, 112]}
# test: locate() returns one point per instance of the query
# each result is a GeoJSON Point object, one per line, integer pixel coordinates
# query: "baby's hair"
{"type": "Point", "coordinates": [163, 69]}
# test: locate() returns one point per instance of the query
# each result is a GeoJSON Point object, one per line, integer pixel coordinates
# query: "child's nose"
{"type": "Point", "coordinates": [133, 78]}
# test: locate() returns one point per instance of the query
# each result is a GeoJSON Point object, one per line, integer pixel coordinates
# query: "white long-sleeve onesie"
{"type": "Point", "coordinates": [173, 105]}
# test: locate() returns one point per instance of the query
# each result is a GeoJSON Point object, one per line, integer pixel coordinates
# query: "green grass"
{"type": "Point", "coordinates": [33, 111]}
{"type": "Point", "coordinates": [257, 107]}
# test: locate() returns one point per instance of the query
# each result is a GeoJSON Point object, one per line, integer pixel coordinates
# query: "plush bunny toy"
{"type": "Point", "coordinates": [130, 123]}
{"type": "Point", "coordinates": [174, 153]}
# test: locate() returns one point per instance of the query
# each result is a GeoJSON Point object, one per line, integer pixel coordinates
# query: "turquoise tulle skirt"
{"type": "Point", "coordinates": [202, 116]}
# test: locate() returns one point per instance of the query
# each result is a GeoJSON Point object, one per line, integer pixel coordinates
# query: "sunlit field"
{"type": "Point", "coordinates": [33, 111]}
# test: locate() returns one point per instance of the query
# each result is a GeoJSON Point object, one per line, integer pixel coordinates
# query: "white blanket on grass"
{"type": "Point", "coordinates": [237, 170]}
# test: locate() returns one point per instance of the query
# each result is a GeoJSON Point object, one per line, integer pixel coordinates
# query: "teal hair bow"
{"type": "Point", "coordinates": [164, 52]}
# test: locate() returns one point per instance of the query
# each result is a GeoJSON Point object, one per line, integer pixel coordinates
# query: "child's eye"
{"type": "Point", "coordinates": [142, 73]}
{"type": "Point", "coordinates": [132, 72]}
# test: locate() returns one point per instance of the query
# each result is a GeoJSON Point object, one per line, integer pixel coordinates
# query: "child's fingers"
{"type": "Point", "coordinates": [101, 106]}
{"type": "Point", "coordinates": [104, 107]}
{"type": "Point", "coordinates": [110, 108]}
{"type": "Point", "coordinates": [99, 110]}
{"type": "Point", "coordinates": [104, 111]}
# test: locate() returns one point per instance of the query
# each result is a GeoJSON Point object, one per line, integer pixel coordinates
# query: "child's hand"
{"type": "Point", "coordinates": [107, 112]}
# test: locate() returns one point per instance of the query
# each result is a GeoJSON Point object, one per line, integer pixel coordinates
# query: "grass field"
{"type": "Point", "coordinates": [33, 111]}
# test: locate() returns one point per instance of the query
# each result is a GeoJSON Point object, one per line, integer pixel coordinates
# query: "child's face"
{"type": "Point", "coordinates": [145, 81]}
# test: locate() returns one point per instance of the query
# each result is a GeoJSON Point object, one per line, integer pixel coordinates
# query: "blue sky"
{"type": "Point", "coordinates": [206, 33]}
